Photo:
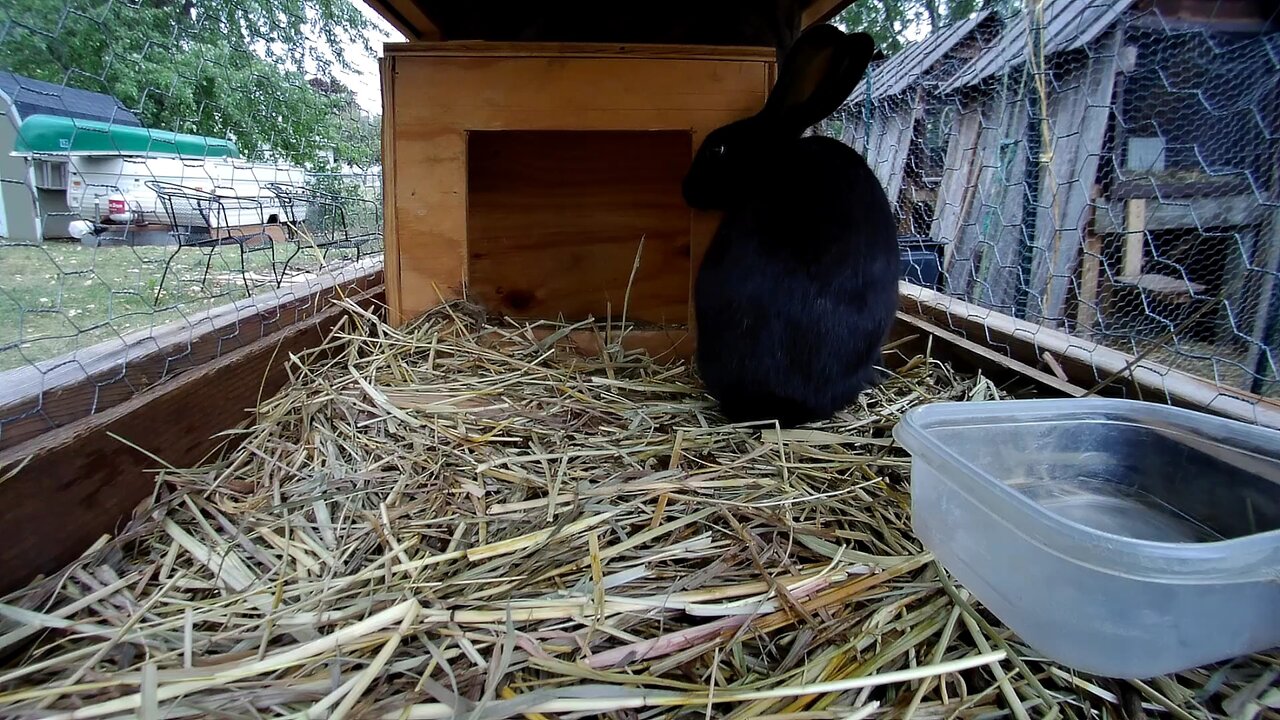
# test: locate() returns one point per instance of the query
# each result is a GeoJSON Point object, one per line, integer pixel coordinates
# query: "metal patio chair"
{"type": "Point", "coordinates": [201, 219]}
{"type": "Point", "coordinates": [325, 220]}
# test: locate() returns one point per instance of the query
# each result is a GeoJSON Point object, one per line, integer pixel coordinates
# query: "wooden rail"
{"type": "Point", "coordinates": [1086, 362]}
{"type": "Point", "coordinates": [62, 490]}
{"type": "Point", "coordinates": [48, 395]}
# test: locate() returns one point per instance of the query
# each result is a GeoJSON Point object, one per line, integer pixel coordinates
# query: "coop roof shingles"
{"type": "Point", "coordinates": [904, 68]}
{"type": "Point", "coordinates": [36, 97]}
{"type": "Point", "coordinates": [1068, 25]}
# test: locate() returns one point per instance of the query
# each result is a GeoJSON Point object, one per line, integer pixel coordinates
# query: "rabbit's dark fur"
{"type": "Point", "coordinates": [798, 289]}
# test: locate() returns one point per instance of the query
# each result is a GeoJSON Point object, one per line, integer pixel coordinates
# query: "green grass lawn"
{"type": "Point", "coordinates": [59, 297]}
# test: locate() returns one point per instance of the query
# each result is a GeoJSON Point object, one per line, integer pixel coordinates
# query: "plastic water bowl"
{"type": "Point", "coordinates": [1119, 538]}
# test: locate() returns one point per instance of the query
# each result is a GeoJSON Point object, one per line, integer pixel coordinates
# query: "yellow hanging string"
{"type": "Point", "coordinates": [1036, 57]}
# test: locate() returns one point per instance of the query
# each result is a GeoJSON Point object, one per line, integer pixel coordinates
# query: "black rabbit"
{"type": "Point", "coordinates": [799, 286]}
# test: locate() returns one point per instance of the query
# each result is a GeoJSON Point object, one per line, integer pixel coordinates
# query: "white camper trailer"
{"type": "Point", "coordinates": [104, 171]}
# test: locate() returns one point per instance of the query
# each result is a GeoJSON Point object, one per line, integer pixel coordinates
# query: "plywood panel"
{"type": "Point", "coordinates": [1080, 114]}
{"type": "Point", "coordinates": [999, 227]}
{"type": "Point", "coordinates": [986, 230]}
{"type": "Point", "coordinates": [443, 92]}
{"type": "Point", "coordinates": [543, 242]}
{"type": "Point", "coordinates": [905, 128]}
{"type": "Point", "coordinates": [431, 214]}
{"type": "Point", "coordinates": [955, 192]}
{"type": "Point", "coordinates": [571, 93]}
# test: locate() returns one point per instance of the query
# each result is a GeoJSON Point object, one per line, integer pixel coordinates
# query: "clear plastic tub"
{"type": "Point", "coordinates": [1120, 538]}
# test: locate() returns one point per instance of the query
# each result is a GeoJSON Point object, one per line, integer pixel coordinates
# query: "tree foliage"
{"type": "Point", "coordinates": [255, 71]}
{"type": "Point", "coordinates": [891, 21]}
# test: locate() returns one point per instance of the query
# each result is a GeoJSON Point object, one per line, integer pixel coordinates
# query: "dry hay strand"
{"type": "Point", "coordinates": [462, 520]}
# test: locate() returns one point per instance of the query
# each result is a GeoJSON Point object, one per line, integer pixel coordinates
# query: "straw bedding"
{"type": "Point", "coordinates": [459, 520]}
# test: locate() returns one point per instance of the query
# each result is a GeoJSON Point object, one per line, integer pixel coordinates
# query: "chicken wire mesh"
{"type": "Point", "coordinates": [162, 162]}
{"type": "Point", "coordinates": [1100, 175]}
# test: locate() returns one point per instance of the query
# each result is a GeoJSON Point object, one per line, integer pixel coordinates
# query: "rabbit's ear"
{"type": "Point", "coordinates": [817, 75]}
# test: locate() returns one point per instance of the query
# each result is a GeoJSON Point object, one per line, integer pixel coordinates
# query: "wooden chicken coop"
{"type": "Point", "coordinates": [535, 153]}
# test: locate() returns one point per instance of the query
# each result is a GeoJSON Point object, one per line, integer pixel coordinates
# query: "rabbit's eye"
{"type": "Point", "coordinates": [718, 151]}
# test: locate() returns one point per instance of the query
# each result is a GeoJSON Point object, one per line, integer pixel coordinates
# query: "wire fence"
{"type": "Point", "coordinates": [1096, 175]}
{"type": "Point", "coordinates": [1100, 175]}
{"type": "Point", "coordinates": [163, 164]}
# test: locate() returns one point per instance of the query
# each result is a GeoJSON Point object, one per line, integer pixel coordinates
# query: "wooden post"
{"type": "Point", "coordinates": [390, 237]}
{"type": "Point", "coordinates": [1135, 227]}
{"type": "Point", "coordinates": [1239, 283]}
{"type": "Point", "coordinates": [1270, 240]}
{"type": "Point", "coordinates": [1090, 278]}
{"type": "Point", "coordinates": [1257, 359]}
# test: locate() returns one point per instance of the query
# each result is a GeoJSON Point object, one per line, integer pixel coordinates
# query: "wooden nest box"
{"type": "Point", "coordinates": [530, 147]}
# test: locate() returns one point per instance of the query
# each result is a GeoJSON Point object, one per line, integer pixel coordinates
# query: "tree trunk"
{"type": "Point", "coordinates": [931, 8]}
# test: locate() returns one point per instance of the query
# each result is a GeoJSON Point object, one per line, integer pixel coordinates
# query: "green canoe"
{"type": "Point", "coordinates": [48, 134]}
